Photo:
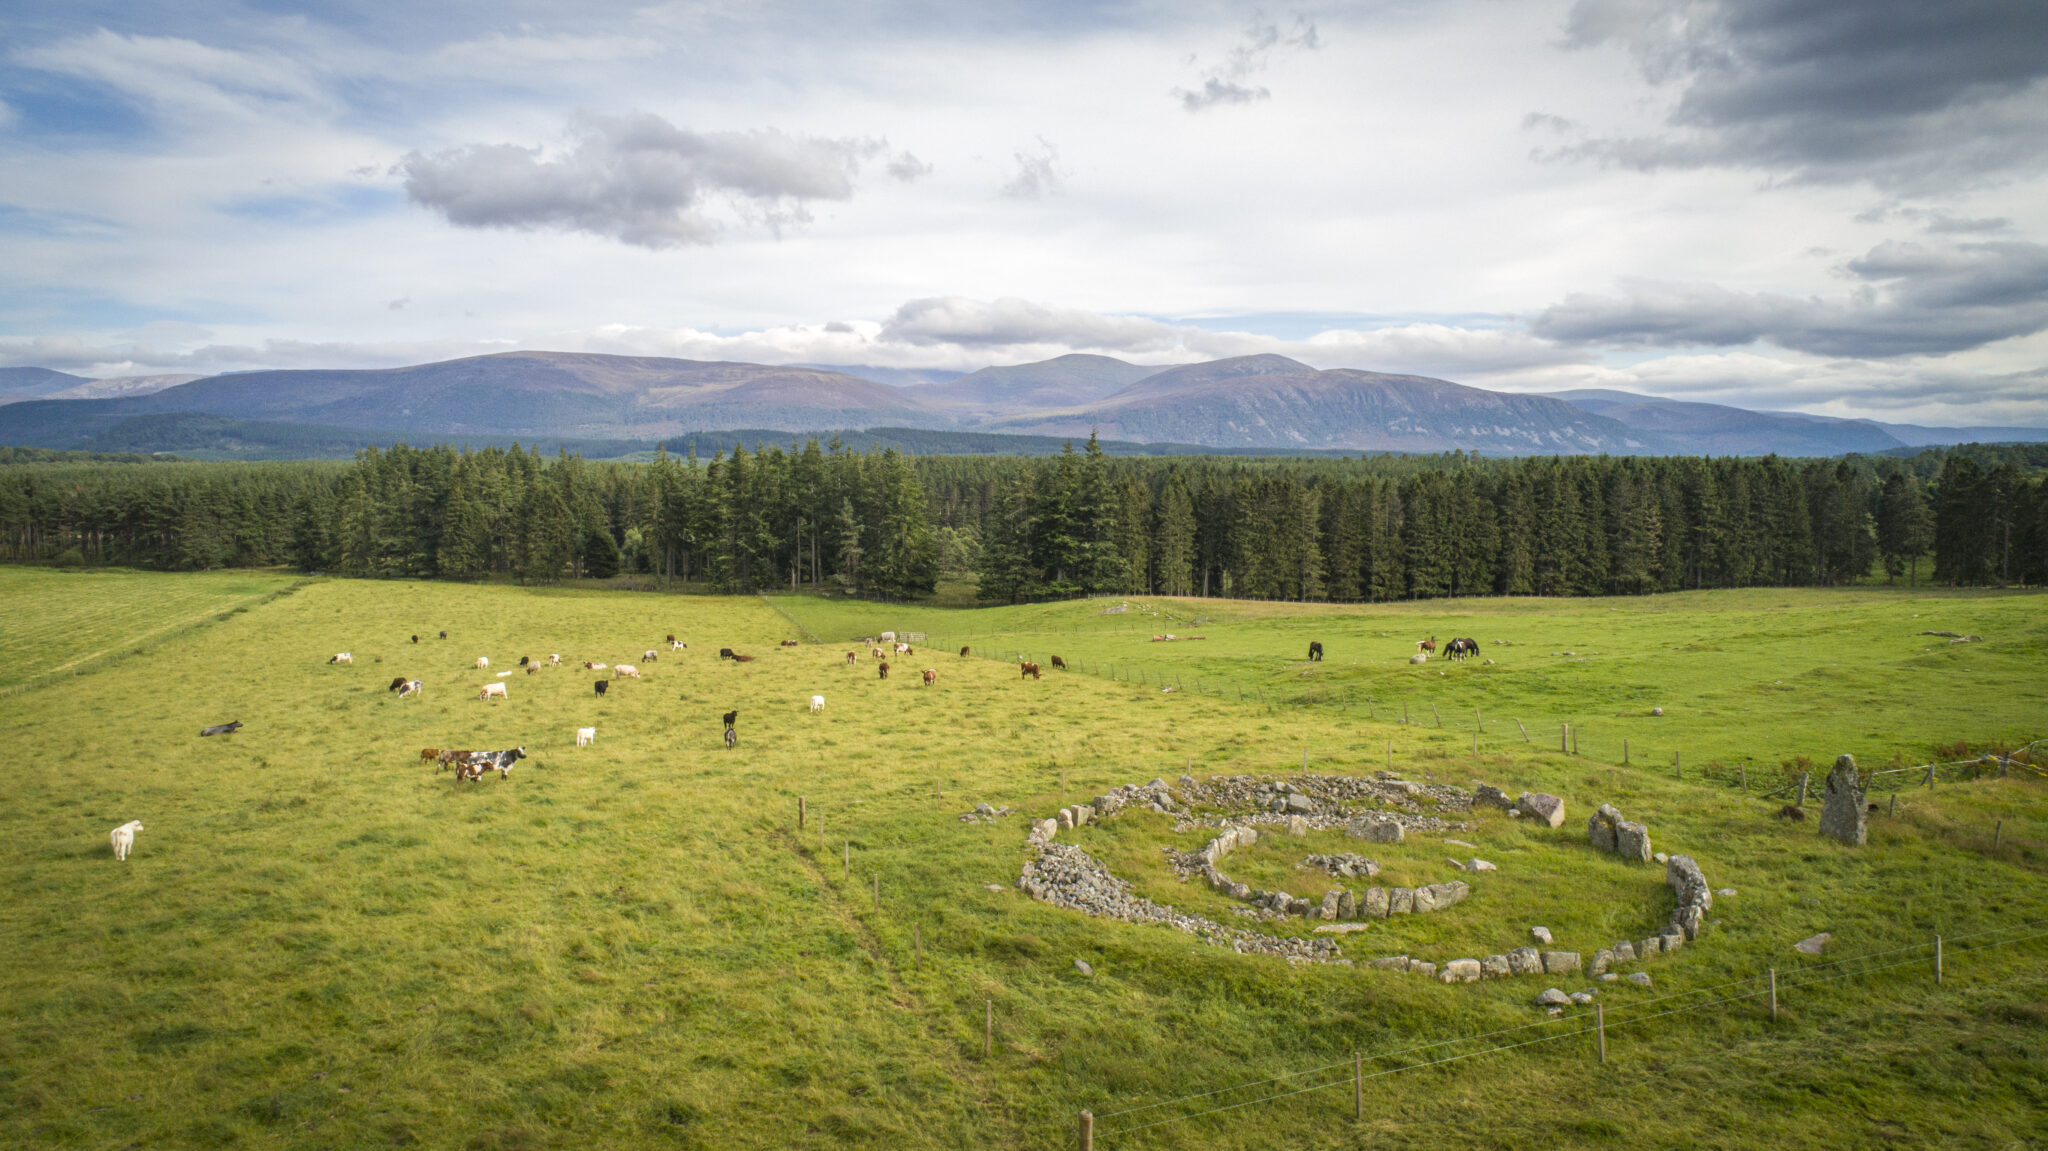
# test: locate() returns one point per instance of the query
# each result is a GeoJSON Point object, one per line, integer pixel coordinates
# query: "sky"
{"type": "Point", "coordinates": [1839, 208]}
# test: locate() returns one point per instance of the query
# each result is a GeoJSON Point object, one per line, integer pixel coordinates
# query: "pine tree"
{"type": "Point", "coordinates": [1174, 539]}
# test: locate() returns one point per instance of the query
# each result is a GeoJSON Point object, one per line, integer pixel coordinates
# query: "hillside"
{"type": "Point", "coordinates": [1063, 382]}
{"type": "Point", "coordinates": [1719, 430]}
{"type": "Point", "coordinates": [18, 384]}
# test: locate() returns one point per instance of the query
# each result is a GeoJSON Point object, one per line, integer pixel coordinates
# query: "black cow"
{"type": "Point", "coordinates": [523, 660]}
{"type": "Point", "coordinates": [444, 635]}
{"type": "Point", "coordinates": [725, 653]}
{"type": "Point", "coordinates": [396, 684]}
{"type": "Point", "coordinates": [222, 729]}
{"type": "Point", "coordinates": [1315, 651]}
{"type": "Point", "coordinates": [600, 685]}
{"type": "Point", "coordinates": [415, 639]}
{"type": "Point", "coordinates": [732, 717]}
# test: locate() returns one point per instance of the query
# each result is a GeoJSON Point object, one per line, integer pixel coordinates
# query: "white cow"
{"type": "Point", "coordinates": [585, 736]}
{"type": "Point", "coordinates": [649, 656]}
{"type": "Point", "coordinates": [123, 837]}
{"type": "Point", "coordinates": [555, 660]}
{"type": "Point", "coordinates": [593, 667]}
{"type": "Point", "coordinates": [817, 703]}
{"type": "Point", "coordinates": [888, 637]}
{"type": "Point", "coordinates": [677, 645]}
{"type": "Point", "coordinates": [625, 671]}
{"type": "Point", "coordinates": [410, 687]}
{"type": "Point", "coordinates": [343, 657]}
{"type": "Point", "coordinates": [491, 689]}
{"type": "Point", "coordinates": [503, 674]}
{"type": "Point", "coordinates": [483, 663]}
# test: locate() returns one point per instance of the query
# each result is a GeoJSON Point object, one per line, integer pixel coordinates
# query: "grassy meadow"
{"type": "Point", "coordinates": [321, 941]}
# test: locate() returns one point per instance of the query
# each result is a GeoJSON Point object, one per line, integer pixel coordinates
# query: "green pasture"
{"type": "Point", "coordinates": [57, 621]}
{"type": "Point", "coordinates": [321, 941]}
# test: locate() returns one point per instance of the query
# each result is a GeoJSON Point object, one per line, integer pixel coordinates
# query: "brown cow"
{"type": "Point", "coordinates": [931, 676]}
{"type": "Point", "coordinates": [884, 669]}
{"type": "Point", "coordinates": [851, 657]}
{"type": "Point", "coordinates": [1059, 663]}
{"type": "Point", "coordinates": [1028, 668]}
{"type": "Point", "coordinates": [428, 754]}
{"type": "Point", "coordinates": [789, 643]}
{"type": "Point", "coordinates": [963, 653]}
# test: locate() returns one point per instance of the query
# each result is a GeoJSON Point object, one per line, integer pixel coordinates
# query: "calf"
{"type": "Point", "coordinates": [396, 684]}
{"type": "Point", "coordinates": [415, 639]}
{"type": "Point", "coordinates": [731, 717]}
{"type": "Point", "coordinates": [883, 667]}
{"type": "Point", "coordinates": [222, 728]}
{"type": "Point", "coordinates": [789, 643]}
{"type": "Point", "coordinates": [677, 645]}
{"type": "Point", "coordinates": [601, 685]}
{"type": "Point", "coordinates": [742, 658]}
{"type": "Point", "coordinates": [483, 663]}
{"type": "Point", "coordinates": [1315, 651]}
{"type": "Point", "coordinates": [1027, 668]}
{"type": "Point", "coordinates": [732, 739]}
{"type": "Point", "coordinates": [444, 635]}
{"type": "Point", "coordinates": [1059, 663]}
{"type": "Point", "coordinates": [931, 676]}
{"type": "Point", "coordinates": [555, 660]}
{"type": "Point", "coordinates": [625, 671]}
{"type": "Point", "coordinates": [453, 757]}
{"type": "Point", "coordinates": [429, 754]}
{"type": "Point", "coordinates": [492, 690]}
{"type": "Point", "coordinates": [524, 660]}
{"type": "Point", "coordinates": [851, 657]}
{"type": "Point", "coordinates": [594, 666]}
{"type": "Point", "coordinates": [342, 657]}
{"type": "Point", "coordinates": [123, 837]}
{"type": "Point", "coordinates": [817, 703]}
{"type": "Point", "coordinates": [412, 687]}
{"type": "Point", "coordinates": [585, 736]}
{"type": "Point", "coordinates": [671, 637]}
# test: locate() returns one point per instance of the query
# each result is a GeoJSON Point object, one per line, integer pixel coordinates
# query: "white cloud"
{"type": "Point", "coordinates": [1038, 173]}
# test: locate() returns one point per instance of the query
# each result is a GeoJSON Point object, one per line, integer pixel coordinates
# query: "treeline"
{"type": "Point", "coordinates": [881, 522]}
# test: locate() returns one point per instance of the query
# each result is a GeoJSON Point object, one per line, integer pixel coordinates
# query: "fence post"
{"type": "Point", "coordinates": [1624, 753]}
{"type": "Point", "coordinates": [1438, 716]}
{"type": "Point", "coordinates": [801, 817]}
{"type": "Point", "coordinates": [1390, 755]}
{"type": "Point", "coordinates": [1404, 711]}
{"type": "Point", "coordinates": [1357, 1086]}
{"type": "Point", "coordinates": [1575, 741]}
{"type": "Point", "coordinates": [1937, 960]}
{"type": "Point", "coordinates": [1475, 746]}
{"type": "Point", "coordinates": [1087, 1132]}
{"type": "Point", "coordinates": [1564, 738]}
{"type": "Point", "coordinates": [1997, 833]}
{"type": "Point", "coordinates": [1524, 730]}
{"type": "Point", "coordinates": [1774, 993]}
{"type": "Point", "coordinates": [1802, 787]}
{"type": "Point", "coordinates": [988, 1028]}
{"type": "Point", "coordinates": [1678, 763]}
{"type": "Point", "coordinates": [1304, 759]}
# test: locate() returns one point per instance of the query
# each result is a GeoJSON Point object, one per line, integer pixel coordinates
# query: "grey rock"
{"type": "Point", "coordinates": [1300, 906]}
{"type": "Point", "coordinates": [1537, 805]}
{"type": "Point", "coordinates": [1391, 963]}
{"type": "Point", "coordinates": [1081, 965]}
{"type": "Point", "coordinates": [1812, 944]}
{"type": "Point", "coordinates": [1624, 952]}
{"type": "Point", "coordinates": [1602, 960]}
{"type": "Point", "coordinates": [1375, 829]}
{"type": "Point", "coordinates": [1525, 961]}
{"type": "Point", "coordinates": [1460, 843]}
{"type": "Point", "coordinates": [1654, 945]}
{"type": "Point", "coordinates": [1490, 796]}
{"type": "Point", "coordinates": [1495, 967]}
{"type": "Point", "coordinates": [1401, 901]}
{"type": "Point", "coordinates": [1347, 904]}
{"type": "Point", "coordinates": [1656, 711]}
{"type": "Point", "coordinates": [1452, 893]}
{"type": "Point", "coordinates": [983, 809]}
{"type": "Point", "coordinates": [1297, 825]}
{"type": "Point", "coordinates": [1065, 818]}
{"type": "Point", "coordinates": [1460, 971]}
{"type": "Point", "coordinates": [1582, 997]}
{"type": "Point", "coordinates": [1632, 841]}
{"type": "Point", "coordinates": [1725, 892]}
{"type": "Point", "coordinates": [1480, 865]}
{"type": "Point", "coordinates": [1542, 934]}
{"type": "Point", "coordinates": [1639, 978]}
{"type": "Point", "coordinates": [1418, 967]}
{"type": "Point", "coordinates": [1600, 827]}
{"type": "Point", "coordinates": [1240, 891]}
{"type": "Point", "coordinates": [1553, 997]}
{"type": "Point", "coordinates": [1247, 836]}
{"type": "Point", "coordinates": [1661, 857]}
{"type": "Point", "coordinates": [1560, 962]}
{"type": "Point", "coordinates": [1374, 904]}
{"type": "Point", "coordinates": [1609, 977]}
{"type": "Point", "coordinates": [1300, 804]}
{"type": "Point", "coordinates": [1673, 941]}
{"type": "Point", "coordinates": [1332, 900]}
{"type": "Point", "coordinates": [1842, 811]}
{"type": "Point", "coordinates": [1457, 863]}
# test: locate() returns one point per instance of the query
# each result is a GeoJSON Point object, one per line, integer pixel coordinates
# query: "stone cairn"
{"type": "Point", "coordinates": [1609, 832]}
{"type": "Point", "coordinates": [1842, 813]}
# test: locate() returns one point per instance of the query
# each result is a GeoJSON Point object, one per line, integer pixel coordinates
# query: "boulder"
{"type": "Point", "coordinates": [1425, 899]}
{"type": "Point", "coordinates": [1525, 961]}
{"type": "Point", "coordinates": [1672, 941]}
{"type": "Point", "coordinates": [1600, 827]}
{"type": "Point", "coordinates": [1582, 997]}
{"type": "Point", "coordinates": [1552, 997]}
{"type": "Point", "coordinates": [1391, 963]}
{"type": "Point", "coordinates": [1495, 967]}
{"type": "Point", "coordinates": [1632, 841]}
{"type": "Point", "coordinates": [1842, 812]}
{"type": "Point", "coordinates": [1480, 865]}
{"type": "Point", "coordinates": [1300, 804]}
{"type": "Point", "coordinates": [1560, 962]}
{"type": "Point", "coordinates": [1624, 952]}
{"type": "Point", "coordinates": [1602, 960]}
{"type": "Point", "coordinates": [1081, 813]}
{"type": "Point", "coordinates": [1639, 978]}
{"type": "Point", "coordinates": [1374, 829]}
{"type": "Point", "coordinates": [1401, 901]}
{"type": "Point", "coordinates": [1081, 965]}
{"type": "Point", "coordinates": [1449, 894]}
{"type": "Point", "coordinates": [983, 809]}
{"type": "Point", "coordinates": [1812, 944]}
{"type": "Point", "coordinates": [1460, 971]}
{"type": "Point", "coordinates": [1065, 818]}
{"type": "Point", "coordinates": [1607, 978]}
{"type": "Point", "coordinates": [1297, 825]}
{"type": "Point", "coordinates": [1347, 904]}
{"type": "Point", "coordinates": [1536, 805]}
{"type": "Point", "coordinates": [1374, 903]}
{"type": "Point", "coordinates": [1246, 836]}
{"type": "Point", "coordinates": [1491, 796]}
{"type": "Point", "coordinates": [1654, 945]}
{"type": "Point", "coordinates": [1418, 967]}
{"type": "Point", "coordinates": [1542, 934]}
{"type": "Point", "coordinates": [1240, 891]}
{"type": "Point", "coordinates": [1332, 899]}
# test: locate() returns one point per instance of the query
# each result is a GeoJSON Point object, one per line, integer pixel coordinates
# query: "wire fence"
{"type": "Point", "coordinates": [1769, 985]}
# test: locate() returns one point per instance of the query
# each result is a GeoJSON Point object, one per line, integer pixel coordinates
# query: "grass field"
{"type": "Point", "coordinates": [320, 941]}
{"type": "Point", "coordinates": [59, 621]}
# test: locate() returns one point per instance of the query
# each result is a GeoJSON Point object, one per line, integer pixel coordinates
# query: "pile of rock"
{"type": "Point", "coordinates": [1310, 794]}
{"type": "Point", "coordinates": [1345, 866]}
{"type": "Point", "coordinates": [1609, 832]}
{"type": "Point", "coordinates": [1066, 876]}
{"type": "Point", "coordinates": [983, 813]}
{"type": "Point", "coordinates": [1337, 902]}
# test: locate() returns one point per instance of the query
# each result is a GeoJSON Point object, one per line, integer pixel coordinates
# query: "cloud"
{"type": "Point", "coordinates": [1901, 93]}
{"type": "Point", "coordinates": [184, 79]}
{"type": "Point", "coordinates": [1913, 299]}
{"type": "Point", "coordinates": [1038, 174]}
{"type": "Point", "coordinates": [1248, 57]}
{"type": "Point", "coordinates": [637, 179]}
{"type": "Point", "coordinates": [400, 304]}
{"type": "Point", "coordinates": [908, 168]}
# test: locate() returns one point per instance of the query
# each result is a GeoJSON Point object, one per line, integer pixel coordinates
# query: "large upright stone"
{"type": "Point", "coordinates": [1536, 805]}
{"type": "Point", "coordinates": [1373, 904]}
{"type": "Point", "coordinates": [1841, 814]}
{"type": "Point", "coordinates": [1632, 841]}
{"type": "Point", "coordinates": [1600, 827]}
{"type": "Point", "coordinates": [1374, 829]}
{"type": "Point", "coordinates": [1401, 901]}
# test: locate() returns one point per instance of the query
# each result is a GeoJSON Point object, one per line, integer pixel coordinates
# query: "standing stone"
{"type": "Point", "coordinates": [1451, 893]}
{"type": "Point", "coordinates": [1602, 960]}
{"type": "Point", "coordinates": [1673, 941]}
{"type": "Point", "coordinates": [1525, 961]}
{"type": "Point", "coordinates": [1542, 934]}
{"type": "Point", "coordinates": [1332, 900]}
{"type": "Point", "coordinates": [1624, 952]}
{"type": "Point", "coordinates": [1373, 905]}
{"type": "Point", "coordinates": [1425, 899]}
{"type": "Point", "coordinates": [1347, 904]}
{"type": "Point", "coordinates": [1536, 805]}
{"type": "Point", "coordinates": [1648, 947]}
{"type": "Point", "coordinates": [1600, 827]}
{"type": "Point", "coordinates": [1297, 825]}
{"type": "Point", "coordinates": [1491, 796]}
{"type": "Point", "coordinates": [1246, 836]}
{"type": "Point", "coordinates": [1842, 812]}
{"type": "Point", "coordinates": [1632, 841]}
{"type": "Point", "coordinates": [1066, 818]}
{"type": "Point", "coordinates": [1560, 962]}
{"type": "Point", "coordinates": [1401, 901]}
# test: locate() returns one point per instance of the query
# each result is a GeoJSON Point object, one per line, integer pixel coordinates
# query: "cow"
{"type": "Point", "coordinates": [342, 657]}
{"type": "Point", "coordinates": [452, 757]}
{"type": "Point", "coordinates": [649, 656]}
{"type": "Point", "coordinates": [502, 760]}
{"type": "Point", "coordinates": [625, 671]}
{"type": "Point", "coordinates": [601, 685]}
{"type": "Point", "coordinates": [1315, 651]}
{"type": "Point", "coordinates": [533, 669]}
{"type": "Point", "coordinates": [725, 653]}
{"type": "Point", "coordinates": [931, 676]}
{"type": "Point", "coordinates": [732, 739]}
{"type": "Point", "coordinates": [412, 687]}
{"type": "Point", "coordinates": [902, 649]}
{"type": "Point", "coordinates": [493, 689]}
{"type": "Point", "coordinates": [963, 653]}
{"type": "Point", "coordinates": [524, 660]}
{"type": "Point", "coordinates": [730, 718]}
{"type": "Point", "coordinates": [817, 703]}
{"type": "Point", "coordinates": [789, 643]}
{"type": "Point", "coordinates": [737, 658]}
{"type": "Point", "coordinates": [483, 663]}
{"type": "Point", "coordinates": [1027, 668]}
{"type": "Point", "coordinates": [677, 645]}
{"type": "Point", "coordinates": [396, 684]}
{"type": "Point", "coordinates": [444, 635]}
{"type": "Point", "coordinates": [415, 639]}
{"type": "Point", "coordinates": [555, 660]}
{"type": "Point", "coordinates": [876, 652]}
{"type": "Point", "coordinates": [123, 837]}
{"type": "Point", "coordinates": [585, 736]}
{"type": "Point", "coordinates": [1059, 664]}
{"type": "Point", "coordinates": [222, 729]}
{"type": "Point", "coordinates": [588, 666]}
{"type": "Point", "coordinates": [429, 754]}
{"type": "Point", "coordinates": [852, 657]}
{"type": "Point", "coordinates": [883, 667]}
{"type": "Point", "coordinates": [1426, 645]}
{"type": "Point", "coordinates": [888, 637]}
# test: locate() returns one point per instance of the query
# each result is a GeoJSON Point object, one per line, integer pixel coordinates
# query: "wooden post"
{"type": "Point", "coordinates": [878, 891]}
{"type": "Point", "coordinates": [800, 814]}
{"type": "Point", "coordinates": [1624, 753]}
{"type": "Point", "coordinates": [1478, 724]}
{"type": "Point", "coordinates": [1524, 730]}
{"type": "Point", "coordinates": [1937, 960]}
{"type": "Point", "coordinates": [1802, 787]}
{"type": "Point", "coordinates": [1063, 783]}
{"type": "Point", "coordinates": [917, 940]}
{"type": "Point", "coordinates": [1564, 738]}
{"type": "Point", "coordinates": [1304, 759]}
{"type": "Point", "coordinates": [1087, 1132]}
{"type": "Point", "coordinates": [1892, 809]}
{"type": "Point", "coordinates": [1436, 715]}
{"type": "Point", "coordinates": [1390, 755]}
{"type": "Point", "coordinates": [1475, 745]}
{"type": "Point", "coordinates": [1358, 1086]}
{"type": "Point", "coordinates": [1600, 1029]}
{"type": "Point", "coordinates": [848, 877]}
{"type": "Point", "coordinates": [988, 1028]}
{"type": "Point", "coordinates": [1997, 833]}
{"type": "Point", "coordinates": [1774, 993]}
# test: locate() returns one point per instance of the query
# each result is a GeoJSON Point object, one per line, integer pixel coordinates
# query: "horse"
{"type": "Point", "coordinates": [1461, 648]}
{"type": "Point", "coordinates": [1426, 644]}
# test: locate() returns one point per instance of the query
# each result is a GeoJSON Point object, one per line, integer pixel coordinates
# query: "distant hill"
{"type": "Point", "coordinates": [1063, 382]}
{"type": "Point", "coordinates": [894, 377]}
{"type": "Point", "coordinates": [122, 386]}
{"type": "Point", "coordinates": [1717, 430]}
{"type": "Point", "coordinates": [17, 384]}
{"type": "Point", "coordinates": [1275, 402]}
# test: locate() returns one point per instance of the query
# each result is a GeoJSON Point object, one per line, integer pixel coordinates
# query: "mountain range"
{"type": "Point", "coordinates": [1263, 402]}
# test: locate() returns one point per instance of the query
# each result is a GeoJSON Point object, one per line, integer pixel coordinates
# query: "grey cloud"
{"type": "Point", "coordinates": [1912, 299]}
{"type": "Point", "coordinates": [1214, 91]}
{"type": "Point", "coordinates": [1249, 56]}
{"type": "Point", "coordinates": [1557, 124]}
{"type": "Point", "coordinates": [1012, 322]}
{"type": "Point", "coordinates": [636, 178]}
{"type": "Point", "coordinates": [1038, 174]}
{"type": "Point", "coordinates": [908, 168]}
{"type": "Point", "coordinates": [1903, 93]}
